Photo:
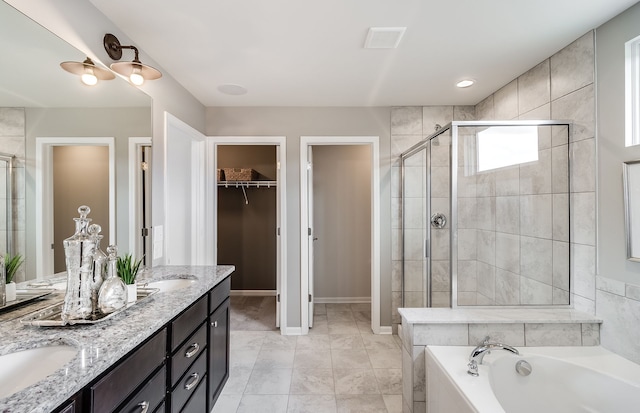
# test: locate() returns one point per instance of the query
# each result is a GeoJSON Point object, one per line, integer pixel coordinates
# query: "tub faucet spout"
{"type": "Point", "coordinates": [478, 353]}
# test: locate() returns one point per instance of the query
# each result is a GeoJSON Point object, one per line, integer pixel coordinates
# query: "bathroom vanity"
{"type": "Point", "coordinates": [169, 353]}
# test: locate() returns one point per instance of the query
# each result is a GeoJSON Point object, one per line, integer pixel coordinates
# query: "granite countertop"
{"type": "Point", "coordinates": [101, 345]}
{"type": "Point", "coordinates": [495, 315]}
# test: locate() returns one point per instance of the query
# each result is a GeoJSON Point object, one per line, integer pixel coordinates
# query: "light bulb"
{"type": "Point", "coordinates": [136, 77]}
{"type": "Point", "coordinates": [88, 78]}
{"type": "Point", "coordinates": [465, 83]}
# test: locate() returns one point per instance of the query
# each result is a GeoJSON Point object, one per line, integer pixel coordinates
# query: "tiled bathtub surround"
{"type": "Point", "coordinates": [468, 327]}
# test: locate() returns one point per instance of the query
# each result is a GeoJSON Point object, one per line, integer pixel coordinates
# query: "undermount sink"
{"type": "Point", "coordinates": [23, 368]}
{"type": "Point", "coordinates": [170, 285]}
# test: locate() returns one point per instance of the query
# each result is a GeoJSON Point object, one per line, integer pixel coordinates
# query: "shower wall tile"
{"type": "Point", "coordinates": [573, 67]}
{"type": "Point", "coordinates": [467, 213]}
{"type": "Point", "coordinates": [507, 288]}
{"type": "Point", "coordinates": [559, 135]}
{"type": "Point", "coordinates": [590, 334]}
{"type": "Point", "coordinates": [579, 107]}
{"type": "Point", "coordinates": [487, 280]}
{"type": "Point", "coordinates": [620, 313]}
{"type": "Point", "coordinates": [464, 113]}
{"type": "Point", "coordinates": [486, 210]}
{"type": "Point", "coordinates": [413, 213]}
{"type": "Point", "coordinates": [467, 298]}
{"type": "Point", "coordinates": [533, 292]}
{"type": "Point", "coordinates": [396, 213]}
{"type": "Point", "coordinates": [561, 217]}
{"type": "Point", "coordinates": [467, 275]}
{"type": "Point", "coordinates": [396, 182]}
{"type": "Point", "coordinates": [396, 244]}
{"type": "Point", "coordinates": [440, 279]}
{"type": "Point", "coordinates": [487, 247]}
{"type": "Point", "coordinates": [551, 334]}
{"type": "Point", "coordinates": [560, 297]}
{"type": "Point", "coordinates": [484, 109]}
{"type": "Point", "coordinates": [560, 169]}
{"type": "Point", "coordinates": [440, 154]}
{"type": "Point", "coordinates": [584, 270]}
{"type": "Point", "coordinates": [583, 218]}
{"type": "Point", "coordinates": [413, 275]}
{"type": "Point", "coordinates": [467, 244]}
{"type": "Point", "coordinates": [467, 149]}
{"type": "Point", "coordinates": [441, 299]}
{"type": "Point", "coordinates": [508, 214]}
{"type": "Point", "coordinates": [435, 115]}
{"type": "Point", "coordinates": [507, 181]}
{"type": "Point", "coordinates": [536, 259]}
{"type": "Point", "coordinates": [583, 159]}
{"type": "Point", "coordinates": [467, 183]}
{"type": "Point", "coordinates": [482, 299]}
{"type": "Point", "coordinates": [406, 120]}
{"type": "Point", "coordinates": [536, 216]}
{"type": "Point", "coordinates": [486, 184]}
{"type": "Point", "coordinates": [414, 244]}
{"type": "Point", "coordinates": [396, 275]}
{"type": "Point", "coordinates": [440, 244]}
{"type": "Point", "coordinates": [534, 89]}
{"type": "Point", "coordinates": [540, 113]}
{"type": "Point", "coordinates": [12, 122]}
{"type": "Point", "coordinates": [414, 186]}
{"type": "Point", "coordinates": [505, 101]}
{"type": "Point", "coordinates": [535, 177]}
{"type": "Point", "coordinates": [561, 273]}
{"type": "Point", "coordinates": [440, 205]}
{"type": "Point", "coordinates": [399, 144]}
{"type": "Point", "coordinates": [508, 252]}
{"type": "Point", "coordinates": [440, 181]}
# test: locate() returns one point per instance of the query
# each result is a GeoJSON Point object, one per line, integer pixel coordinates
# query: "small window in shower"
{"type": "Point", "coordinates": [503, 146]}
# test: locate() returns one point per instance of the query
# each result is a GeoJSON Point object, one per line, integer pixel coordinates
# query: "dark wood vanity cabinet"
{"type": "Point", "coordinates": [182, 368]}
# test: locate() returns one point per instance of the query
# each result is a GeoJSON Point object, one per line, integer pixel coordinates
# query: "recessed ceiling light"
{"type": "Point", "coordinates": [230, 89]}
{"type": "Point", "coordinates": [465, 83]}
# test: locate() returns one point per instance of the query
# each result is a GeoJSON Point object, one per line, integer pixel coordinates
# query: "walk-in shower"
{"type": "Point", "coordinates": [485, 215]}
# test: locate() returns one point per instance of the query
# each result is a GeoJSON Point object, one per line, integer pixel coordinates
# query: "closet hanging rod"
{"type": "Point", "coordinates": [248, 184]}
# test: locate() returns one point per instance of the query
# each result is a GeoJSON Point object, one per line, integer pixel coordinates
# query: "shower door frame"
{"type": "Point", "coordinates": [453, 202]}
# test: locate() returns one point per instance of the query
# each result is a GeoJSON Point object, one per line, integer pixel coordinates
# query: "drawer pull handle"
{"type": "Point", "coordinates": [193, 380]}
{"type": "Point", "coordinates": [214, 324]}
{"type": "Point", "coordinates": [144, 405]}
{"type": "Point", "coordinates": [192, 350]}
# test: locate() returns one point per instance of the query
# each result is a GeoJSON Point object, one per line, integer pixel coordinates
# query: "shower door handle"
{"type": "Point", "coordinates": [426, 248]}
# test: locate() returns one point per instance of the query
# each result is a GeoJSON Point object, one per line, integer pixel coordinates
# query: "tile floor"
{"type": "Point", "coordinates": [339, 367]}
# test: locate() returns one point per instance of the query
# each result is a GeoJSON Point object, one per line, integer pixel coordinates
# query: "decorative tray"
{"type": "Point", "coordinates": [25, 296]}
{"type": "Point", "coordinates": [52, 316]}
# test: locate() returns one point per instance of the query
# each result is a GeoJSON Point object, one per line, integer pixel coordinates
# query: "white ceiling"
{"type": "Point", "coordinates": [309, 53]}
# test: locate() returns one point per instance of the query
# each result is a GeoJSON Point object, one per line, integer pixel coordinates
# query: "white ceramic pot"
{"type": "Point", "coordinates": [11, 291]}
{"type": "Point", "coordinates": [132, 293]}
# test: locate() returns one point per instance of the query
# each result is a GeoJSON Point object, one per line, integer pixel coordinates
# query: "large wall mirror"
{"type": "Point", "coordinates": [47, 116]}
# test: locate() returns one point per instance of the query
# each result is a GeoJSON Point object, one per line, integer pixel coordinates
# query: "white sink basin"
{"type": "Point", "coordinates": [24, 368]}
{"type": "Point", "coordinates": [170, 285]}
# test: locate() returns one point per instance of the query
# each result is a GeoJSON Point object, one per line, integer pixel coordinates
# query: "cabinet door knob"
{"type": "Point", "coordinates": [144, 406]}
{"type": "Point", "coordinates": [192, 381]}
{"type": "Point", "coordinates": [192, 350]}
{"type": "Point", "coordinates": [214, 324]}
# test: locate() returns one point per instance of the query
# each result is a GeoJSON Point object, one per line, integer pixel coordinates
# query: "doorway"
{"type": "Point", "coordinates": [311, 228]}
{"type": "Point", "coordinates": [250, 217]}
{"type": "Point", "coordinates": [79, 157]}
{"type": "Point", "coordinates": [140, 199]}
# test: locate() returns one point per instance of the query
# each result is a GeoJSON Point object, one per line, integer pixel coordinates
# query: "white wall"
{"type": "Point", "coordinates": [618, 284]}
{"type": "Point", "coordinates": [296, 122]}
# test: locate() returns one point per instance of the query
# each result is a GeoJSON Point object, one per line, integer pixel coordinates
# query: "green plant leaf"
{"type": "Point", "coordinates": [11, 265]}
{"type": "Point", "coordinates": [128, 268]}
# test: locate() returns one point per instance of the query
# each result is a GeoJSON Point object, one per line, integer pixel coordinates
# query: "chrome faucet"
{"type": "Point", "coordinates": [478, 353]}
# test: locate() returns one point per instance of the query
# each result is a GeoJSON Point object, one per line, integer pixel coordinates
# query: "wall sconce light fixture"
{"type": "Point", "coordinates": [88, 71]}
{"type": "Point", "coordinates": [135, 71]}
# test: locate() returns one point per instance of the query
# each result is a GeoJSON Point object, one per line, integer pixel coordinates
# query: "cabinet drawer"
{"type": "Point", "coordinates": [184, 324]}
{"type": "Point", "coordinates": [219, 294]}
{"type": "Point", "coordinates": [123, 380]}
{"type": "Point", "coordinates": [188, 383]}
{"type": "Point", "coordinates": [149, 396]}
{"type": "Point", "coordinates": [188, 353]}
{"type": "Point", "coordinates": [198, 403]}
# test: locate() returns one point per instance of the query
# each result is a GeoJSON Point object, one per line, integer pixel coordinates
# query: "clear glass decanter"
{"type": "Point", "coordinates": [78, 251]}
{"type": "Point", "coordinates": [99, 271]}
{"type": "Point", "coordinates": [113, 293]}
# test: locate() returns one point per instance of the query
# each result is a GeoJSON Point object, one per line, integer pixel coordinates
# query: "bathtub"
{"type": "Point", "coordinates": [562, 380]}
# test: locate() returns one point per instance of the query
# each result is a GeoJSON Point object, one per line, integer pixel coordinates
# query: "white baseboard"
{"type": "Point", "coordinates": [254, 293]}
{"type": "Point", "coordinates": [385, 330]}
{"type": "Point", "coordinates": [291, 331]}
{"type": "Point", "coordinates": [342, 300]}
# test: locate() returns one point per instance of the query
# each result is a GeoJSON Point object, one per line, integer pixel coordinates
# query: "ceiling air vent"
{"type": "Point", "coordinates": [384, 37]}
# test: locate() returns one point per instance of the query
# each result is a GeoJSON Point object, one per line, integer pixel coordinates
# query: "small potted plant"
{"type": "Point", "coordinates": [11, 265]}
{"type": "Point", "coordinates": [128, 271]}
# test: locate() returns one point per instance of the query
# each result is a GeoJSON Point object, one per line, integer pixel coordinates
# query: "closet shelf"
{"type": "Point", "coordinates": [248, 184]}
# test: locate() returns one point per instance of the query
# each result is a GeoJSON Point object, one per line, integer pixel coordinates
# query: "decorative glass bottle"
{"type": "Point", "coordinates": [113, 293]}
{"type": "Point", "coordinates": [78, 251]}
{"type": "Point", "coordinates": [99, 271]}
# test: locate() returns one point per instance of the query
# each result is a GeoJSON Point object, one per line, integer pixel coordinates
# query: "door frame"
{"type": "Point", "coordinates": [305, 221]}
{"type": "Point", "coordinates": [135, 144]}
{"type": "Point", "coordinates": [44, 194]}
{"type": "Point", "coordinates": [280, 142]}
